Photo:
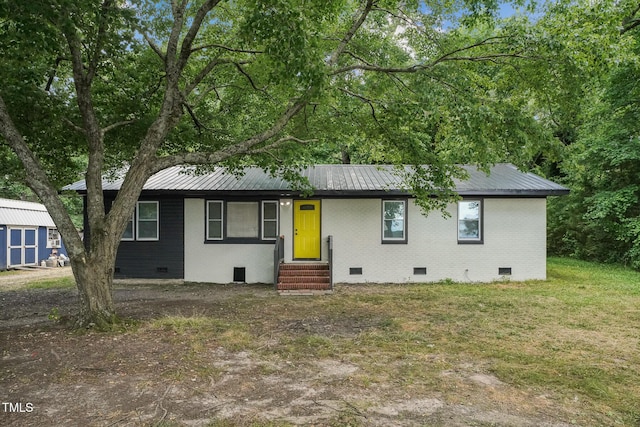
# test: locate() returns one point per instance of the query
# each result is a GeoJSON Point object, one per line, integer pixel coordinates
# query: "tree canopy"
{"type": "Point", "coordinates": [97, 86]}
{"type": "Point", "coordinates": [600, 220]}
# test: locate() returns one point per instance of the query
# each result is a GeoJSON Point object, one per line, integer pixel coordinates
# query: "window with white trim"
{"type": "Point", "coordinates": [144, 223]}
{"type": "Point", "coordinates": [147, 221]}
{"type": "Point", "coordinates": [53, 238]}
{"type": "Point", "coordinates": [128, 231]}
{"type": "Point", "coordinates": [394, 224]}
{"type": "Point", "coordinates": [243, 221]}
{"type": "Point", "coordinates": [470, 221]}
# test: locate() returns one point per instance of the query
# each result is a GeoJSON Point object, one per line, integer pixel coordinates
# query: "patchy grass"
{"type": "Point", "coordinates": [58, 283]}
{"type": "Point", "coordinates": [52, 278]}
{"type": "Point", "coordinates": [561, 350]}
{"type": "Point", "coordinates": [574, 336]}
{"type": "Point", "coordinates": [198, 329]}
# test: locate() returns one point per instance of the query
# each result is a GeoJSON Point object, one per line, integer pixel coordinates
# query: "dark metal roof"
{"type": "Point", "coordinates": [504, 180]}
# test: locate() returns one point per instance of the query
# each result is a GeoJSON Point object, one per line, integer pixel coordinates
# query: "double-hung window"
{"type": "Point", "coordinates": [144, 223]}
{"type": "Point", "coordinates": [214, 220]}
{"type": "Point", "coordinates": [128, 232]}
{"type": "Point", "coordinates": [470, 221]}
{"type": "Point", "coordinates": [394, 221]}
{"type": "Point", "coordinates": [147, 223]}
{"type": "Point", "coordinates": [242, 221]}
{"type": "Point", "coordinates": [269, 220]}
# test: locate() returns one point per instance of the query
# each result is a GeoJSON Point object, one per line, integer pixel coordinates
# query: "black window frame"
{"type": "Point", "coordinates": [260, 239]}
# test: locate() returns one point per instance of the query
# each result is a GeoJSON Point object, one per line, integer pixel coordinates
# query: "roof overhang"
{"type": "Point", "coordinates": [504, 180]}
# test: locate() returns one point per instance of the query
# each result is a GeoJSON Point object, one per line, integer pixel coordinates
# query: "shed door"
{"type": "Point", "coordinates": [306, 224]}
{"type": "Point", "coordinates": [30, 246]}
{"type": "Point", "coordinates": [23, 247]}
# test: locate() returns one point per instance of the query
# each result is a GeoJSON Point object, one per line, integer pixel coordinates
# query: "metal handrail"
{"type": "Point", "coordinates": [278, 258]}
{"type": "Point", "coordinates": [330, 245]}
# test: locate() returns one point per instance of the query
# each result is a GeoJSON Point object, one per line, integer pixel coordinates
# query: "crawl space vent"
{"type": "Point", "coordinates": [239, 274]}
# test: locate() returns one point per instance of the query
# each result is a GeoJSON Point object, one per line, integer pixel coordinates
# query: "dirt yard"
{"type": "Point", "coordinates": [18, 279]}
{"type": "Point", "coordinates": [152, 375]}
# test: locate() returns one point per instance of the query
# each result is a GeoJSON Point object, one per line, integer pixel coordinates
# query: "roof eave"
{"type": "Point", "coordinates": [344, 193]}
{"type": "Point", "coordinates": [515, 193]}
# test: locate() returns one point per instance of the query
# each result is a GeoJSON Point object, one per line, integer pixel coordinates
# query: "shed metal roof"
{"type": "Point", "coordinates": [21, 213]}
{"type": "Point", "coordinates": [504, 180]}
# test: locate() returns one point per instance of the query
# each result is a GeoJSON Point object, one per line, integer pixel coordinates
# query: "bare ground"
{"type": "Point", "coordinates": [143, 377]}
{"type": "Point", "coordinates": [19, 278]}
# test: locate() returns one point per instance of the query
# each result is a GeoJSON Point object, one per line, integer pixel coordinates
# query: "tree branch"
{"type": "Point", "coordinates": [244, 73]}
{"type": "Point", "coordinates": [279, 142]}
{"type": "Point", "coordinates": [97, 51]}
{"type": "Point", "coordinates": [246, 145]}
{"type": "Point", "coordinates": [227, 48]}
{"type": "Point", "coordinates": [491, 57]}
{"type": "Point", "coordinates": [154, 46]}
{"type": "Point", "coordinates": [357, 23]}
{"type": "Point", "coordinates": [420, 67]}
{"type": "Point", "coordinates": [267, 149]}
{"type": "Point", "coordinates": [363, 99]}
{"type": "Point", "coordinates": [189, 38]}
{"type": "Point", "coordinates": [629, 25]}
{"type": "Point", "coordinates": [395, 79]}
{"type": "Point", "coordinates": [116, 125]}
{"type": "Point", "coordinates": [230, 151]}
{"type": "Point", "coordinates": [449, 56]}
{"type": "Point", "coordinates": [197, 123]}
{"type": "Point", "coordinates": [357, 58]}
{"type": "Point", "coordinates": [52, 76]}
{"type": "Point", "coordinates": [485, 42]}
{"type": "Point", "coordinates": [208, 68]}
{"type": "Point", "coordinates": [630, 22]}
{"type": "Point", "coordinates": [171, 67]}
{"type": "Point", "coordinates": [91, 130]}
{"type": "Point", "coordinates": [74, 126]}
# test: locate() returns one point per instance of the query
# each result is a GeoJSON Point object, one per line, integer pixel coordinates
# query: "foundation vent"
{"type": "Point", "coordinates": [240, 274]}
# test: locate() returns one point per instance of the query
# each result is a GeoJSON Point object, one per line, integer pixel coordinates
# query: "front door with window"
{"type": "Point", "coordinates": [306, 229]}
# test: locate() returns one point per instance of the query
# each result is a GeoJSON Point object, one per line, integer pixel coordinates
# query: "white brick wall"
{"type": "Point", "coordinates": [514, 236]}
{"type": "Point", "coordinates": [214, 262]}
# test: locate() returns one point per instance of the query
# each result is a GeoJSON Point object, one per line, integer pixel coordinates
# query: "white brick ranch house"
{"type": "Point", "coordinates": [358, 226]}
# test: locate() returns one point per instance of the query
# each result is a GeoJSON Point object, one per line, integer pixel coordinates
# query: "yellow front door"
{"type": "Point", "coordinates": [306, 229]}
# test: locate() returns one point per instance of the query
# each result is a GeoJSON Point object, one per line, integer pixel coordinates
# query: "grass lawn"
{"type": "Point", "coordinates": [574, 335]}
{"type": "Point", "coordinates": [564, 350]}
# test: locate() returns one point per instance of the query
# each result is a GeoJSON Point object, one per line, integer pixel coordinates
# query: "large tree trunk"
{"type": "Point", "coordinates": [94, 279]}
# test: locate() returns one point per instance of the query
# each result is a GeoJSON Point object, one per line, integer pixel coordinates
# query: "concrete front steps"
{"type": "Point", "coordinates": [304, 278]}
